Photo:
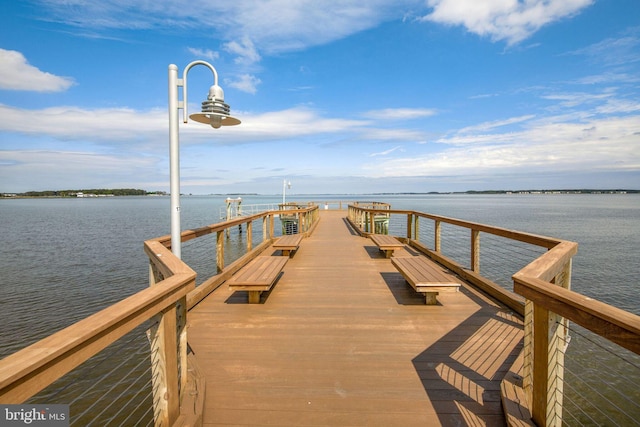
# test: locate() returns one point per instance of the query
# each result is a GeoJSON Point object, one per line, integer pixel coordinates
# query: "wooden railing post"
{"type": "Point", "coordinates": [545, 344]}
{"type": "Point", "coordinates": [249, 236]}
{"type": "Point", "coordinates": [547, 375]}
{"type": "Point", "coordinates": [164, 354]}
{"type": "Point", "coordinates": [264, 228]}
{"type": "Point", "coordinates": [409, 225]}
{"type": "Point", "coordinates": [437, 231]}
{"type": "Point", "coordinates": [416, 228]}
{"type": "Point", "coordinates": [475, 250]}
{"type": "Point", "coordinates": [181, 326]}
{"type": "Point", "coordinates": [220, 251]}
{"type": "Point", "coordinates": [272, 225]}
{"type": "Point", "coordinates": [168, 339]}
{"type": "Point", "coordinates": [540, 373]}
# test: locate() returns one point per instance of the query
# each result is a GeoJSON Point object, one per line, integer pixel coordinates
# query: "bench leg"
{"type": "Point", "coordinates": [286, 252]}
{"type": "Point", "coordinates": [431, 298]}
{"type": "Point", "coordinates": [254, 297]}
{"type": "Point", "coordinates": [388, 253]}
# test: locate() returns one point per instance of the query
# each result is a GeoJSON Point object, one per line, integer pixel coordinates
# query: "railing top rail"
{"type": "Point", "coordinates": [29, 370]}
{"type": "Point", "coordinates": [617, 325]}
{"type": "Point", "coordinates": [187, 235]}
{"type": "Point", "coordinates": [535, 239]}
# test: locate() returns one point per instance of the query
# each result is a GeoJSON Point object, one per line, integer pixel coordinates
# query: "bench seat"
{"type": "Point", "coordinates": [386, 243]}
{"type": "Point", "coordinates": [257, 276]}
{"type": "Point", "coordinates": [288, 243]}
{"type": "Point", "coordinates": [426, 276]}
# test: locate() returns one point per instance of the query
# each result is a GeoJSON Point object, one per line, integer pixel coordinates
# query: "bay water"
{"type": "Point", "coordinates": [64, 259]}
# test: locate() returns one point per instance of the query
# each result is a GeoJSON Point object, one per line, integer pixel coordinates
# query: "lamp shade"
{"type": "Point", "coordinates": [214, 111]}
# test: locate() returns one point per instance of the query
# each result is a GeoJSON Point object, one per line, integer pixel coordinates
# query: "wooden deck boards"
{"type": "Point", "coordinates": [342, 339]}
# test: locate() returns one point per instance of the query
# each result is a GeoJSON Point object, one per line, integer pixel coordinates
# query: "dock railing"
{"type": "Point", "coordinates": [175, 384]}
{"type": "Point", "coordinates": [540, 270]}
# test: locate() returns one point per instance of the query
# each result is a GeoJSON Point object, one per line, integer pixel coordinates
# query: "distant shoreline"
{"type": "Point", "coordinates": [129, 192]}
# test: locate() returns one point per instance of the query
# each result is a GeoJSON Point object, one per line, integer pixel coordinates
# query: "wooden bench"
{"type": "Point", "coordinates": [386, 243]}
{"type": "Point", "coordinates": [426, 276]}
{"type": "Point", "coordinates": [257, 276]}
{"type": "Point", "coordinates": [288, 243]}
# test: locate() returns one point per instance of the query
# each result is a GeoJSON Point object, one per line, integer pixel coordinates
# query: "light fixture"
{"type": "Point", "coordinates": [284, 191]}
{"type": "Point", "coordinates": [214, 112]}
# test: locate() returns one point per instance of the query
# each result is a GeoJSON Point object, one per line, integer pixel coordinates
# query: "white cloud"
{"type": "Point", "coordinates": [277, 26]}
{"type": "Point", "coordinates": [245, 51]}
{"type": "Point", "coordinates": [393, 134]}
{"type": "Point", "coordinates": [204, 53]}
{"type": "Point", "coordinates": [25, 170]}
{"type": "Point", "coordinates": [273, 25]}
{"type": "Point", "coordinates": [509, 20]}
{"type": "Point", "coordinates": [115, 126]}
{"type": "Point", "coordinates": [294, 123]}
{"type": "Point", "coordinates": [399, 113]}
{"type": "Point", "coordinates": [73, 123]}
{"type": "Point", "coordinates": [599, 144]}
{"type": "Point", "coordinates": [495, 124]}
{"type": "Point", "coordinates": [17, 74]}
{"type": "Point", "coordinates": [614, 51]}
{"type": "Point", "coordinates": [246, 83]}
{"type": "Point", "coordinates": [386, 152]}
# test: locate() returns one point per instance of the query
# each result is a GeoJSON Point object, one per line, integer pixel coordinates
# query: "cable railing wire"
{"type": "Point", "coordinates": [117, 398]}
{"type": "Point", "coordinates": [603, 391]}
{"type": "Point", "coordinates": [88, 389]}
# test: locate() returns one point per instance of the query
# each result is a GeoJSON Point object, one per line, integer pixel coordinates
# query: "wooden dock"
{"type": "Point", "coordinates": [343, 340]}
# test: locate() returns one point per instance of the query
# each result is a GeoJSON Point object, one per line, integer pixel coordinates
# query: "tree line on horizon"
{"type": "Point", "coordinates": [96, 191]}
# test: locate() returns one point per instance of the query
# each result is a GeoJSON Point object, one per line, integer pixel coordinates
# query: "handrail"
{"type": "Point", "coordinates": [364, 216]}
{"type": "Point", "coordinates": [31, 369]}
{"type": "Point", "coordinates": [544, 283]}
{"type": "Point", "coordinates": [618, 326]}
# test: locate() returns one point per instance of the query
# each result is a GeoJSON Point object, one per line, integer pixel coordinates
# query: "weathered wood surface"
{"type": "Point", "coordinates": [386, 243]}
{"type": "Point", "coordinates": [288, 243]}
{"type": "Point", "coordinates": [342, 340]}
{"type": "Point", "coordinates": [425, 276]}
{"type": "Point", "coordinates": [258, 276]}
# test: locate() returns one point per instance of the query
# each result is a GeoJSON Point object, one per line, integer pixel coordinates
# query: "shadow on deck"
{"type": "Point", "coordinates": [341, 339]}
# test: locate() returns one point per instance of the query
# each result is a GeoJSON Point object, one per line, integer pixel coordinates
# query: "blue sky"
{"type": "Point", "coordinates": [335, 96]}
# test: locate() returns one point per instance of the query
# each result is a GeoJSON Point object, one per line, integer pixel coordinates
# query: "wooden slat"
{"type": "Point", "coordinates": [422, 272]}
{"type": "Point", "coordinates": [384, 241]}
{"type": "Point", "coordinates": [290, 242]}
{"type": "Point", "coordinates": [345, 341]}
{"type": "Point", "coordinates": [260, 272]}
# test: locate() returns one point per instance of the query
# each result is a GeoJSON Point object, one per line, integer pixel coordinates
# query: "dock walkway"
{"type": "Point", "coordinates": [342, 340]}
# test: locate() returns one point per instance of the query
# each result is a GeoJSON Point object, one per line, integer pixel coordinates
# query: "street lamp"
{"type": "Point", "coordinates": [284, 191]}
{"type": "Point", "coordinates": [214, 112]}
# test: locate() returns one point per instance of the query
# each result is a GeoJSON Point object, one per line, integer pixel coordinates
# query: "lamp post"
{"type": "Point", "coordinates": [284, 191]}
{"type": "Point", "coordinates": [214, 112]}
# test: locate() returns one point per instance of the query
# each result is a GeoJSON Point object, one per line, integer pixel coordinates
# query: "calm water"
{"type": "Point", "coordinates": [62, 259]}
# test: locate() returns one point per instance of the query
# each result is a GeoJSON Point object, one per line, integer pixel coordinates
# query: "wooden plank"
{"type": "Point", "coordinates": [259, 273]}
{"type": "Point", "coordinates": [343, 343]}
{"type": "Point", "coordinates": [288, 243]}
{"type": "Point", "coordinates": [258, 276]}
{"type": "Point", "coordinates": [386, 243]}
{"type": "Point", "coordinates": [426, 276]}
